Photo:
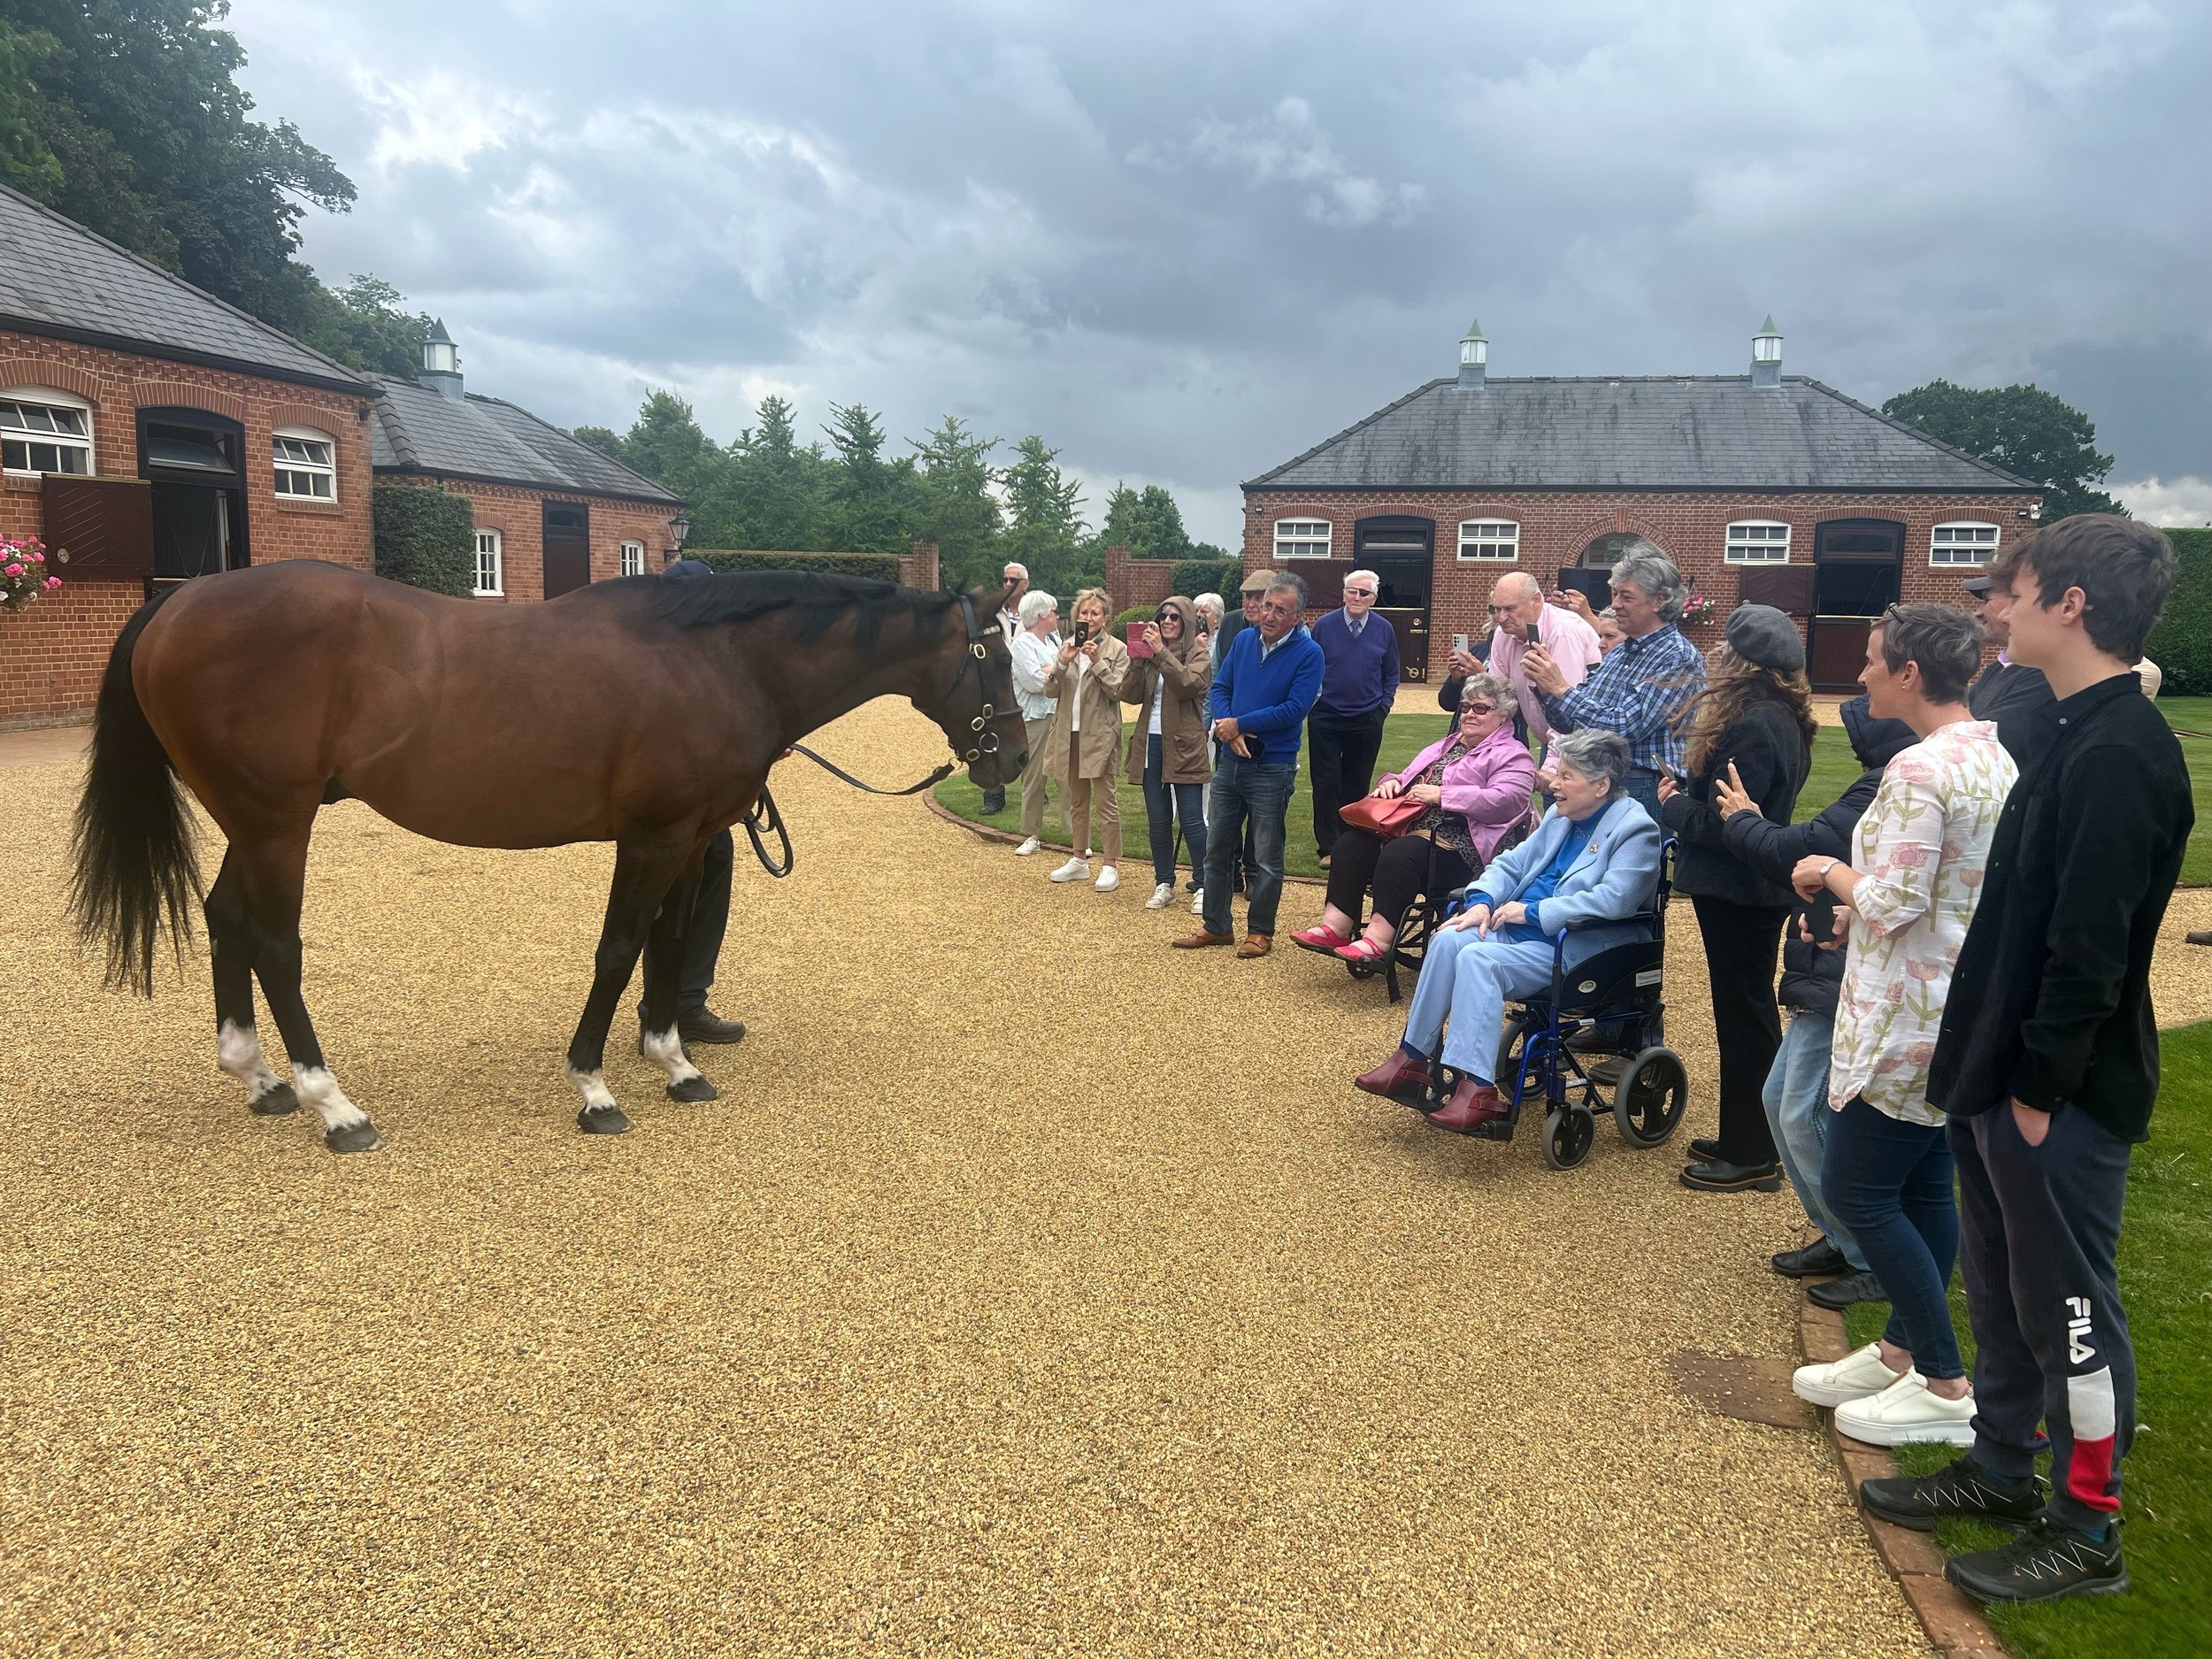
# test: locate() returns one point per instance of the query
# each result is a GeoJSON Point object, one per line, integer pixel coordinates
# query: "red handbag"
{"type": "Point", "coordinates": [1387, 819]}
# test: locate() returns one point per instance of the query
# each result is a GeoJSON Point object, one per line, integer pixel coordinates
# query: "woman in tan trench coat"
{"type": "Point", "coordinates": [1167, 749]}
{"type": "Point", "coordinates": [1083, 750]}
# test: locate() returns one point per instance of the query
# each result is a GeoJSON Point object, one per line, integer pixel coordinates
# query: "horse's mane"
{"type": "Point", "coordinates": [814, 601]}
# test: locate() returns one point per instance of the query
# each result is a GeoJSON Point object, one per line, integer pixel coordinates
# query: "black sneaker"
{"type": "Point", "coordinates": [2043, 1563]}
{"type": "Point", "coordinates": [1836, 1294]}
{"type": "Point", "coordinates": [1815, 1261]}
{"type": "Point", "coordinates": [1960, 1487]}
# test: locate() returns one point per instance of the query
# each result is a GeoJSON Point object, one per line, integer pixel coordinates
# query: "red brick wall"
{"type": "Point", "coordinates": [51, 654]}
{"type": "Point", "coordinates": [1691, 527]}
{"type": "Point", "coordinates": [518, 513]}
{"type": "Point", "coordinates": [1133, 581]}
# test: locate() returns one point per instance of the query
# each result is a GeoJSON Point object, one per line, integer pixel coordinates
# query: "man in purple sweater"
{"type": "Point", "coordinates": [1359, 681]}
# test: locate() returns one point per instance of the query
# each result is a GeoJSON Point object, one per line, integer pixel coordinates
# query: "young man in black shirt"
{"type": "Point", "coordinates": [2048, 1064]}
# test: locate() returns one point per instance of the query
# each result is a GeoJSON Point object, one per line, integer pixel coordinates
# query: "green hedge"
{"type": "Point", "coordinates": [2181, 644]}
{"type": "Point", "coordinates": [1193, 577]}
{"type": "Point", "coordinates": [426, 536]}
{"type": "Point", "coordinates": [1135, 613]}
{"type": "Point", "coordinates": [881, 567]}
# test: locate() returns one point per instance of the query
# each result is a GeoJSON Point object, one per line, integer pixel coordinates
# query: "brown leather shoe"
{"type": "Point", "coordinates": [1472, 1105]}
{"type": "Point", "coordinates": [1400, 1079]}
{"type": "Point", "coordinates": [1256, 945]}
{"type": "Point", "coordinates": [1200, 940]}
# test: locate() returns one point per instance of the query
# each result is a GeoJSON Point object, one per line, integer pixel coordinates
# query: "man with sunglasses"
{"type": "Point", "coordinates": [1359, 682]}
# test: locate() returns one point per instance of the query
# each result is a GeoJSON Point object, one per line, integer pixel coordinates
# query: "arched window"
{"type": "Point", "coordinates": [306, 465]}
{"type": "Point", "coordinates": [1964, 542]}
{"type": "Point", "coordinates": [491, 578]}
{"type": "Point", "coordinates": [1758, 541]}
{"type": "Point", "coordinates": [1302, 538]}
{"type": "Point", "coordinates": [1496, 540]}
{"type": "Point", "coordinates": [45, 430]}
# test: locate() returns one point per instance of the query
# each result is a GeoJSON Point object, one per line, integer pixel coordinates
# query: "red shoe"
{"type": "Point", "coordinates": [1323, 939]}
{"type": "Point", "coordinates": [1360, 951]}
{"type": "Point", "coordinates": [1399, 1078]}
{"type": "Point", "coordinates": [1473, 1107]}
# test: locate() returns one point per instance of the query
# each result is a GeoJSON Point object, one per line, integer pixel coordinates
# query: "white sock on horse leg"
{"type": "Point", "coordinates": [597, 1096]}
{"type": "Point", "coordinates": [665, 1049]}
{"type": "Point", "coordinates": [316, 1087]}
{"type": "Point", "coordinates": [238, 1051]}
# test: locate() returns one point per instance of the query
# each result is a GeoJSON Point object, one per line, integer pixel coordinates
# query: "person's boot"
{"type": "Point", "coordinates": [1817, 1260]}
{"type": "Point", "coordinates": [1400, 1077]}
{"type": "Point", "coordinates": [993, 802]}
{"type": "Point", "coordinates": [1717, 1175]}
{"type": "Point", "coordinates": [1836, 1294]}
{"type": "Point", "coordinates": [706, 1025]}
{"type": "Point", "coordinates": [1472, 1108]}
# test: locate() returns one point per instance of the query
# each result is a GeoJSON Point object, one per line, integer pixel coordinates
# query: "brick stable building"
{"type": "Point", "coordinates": [1760, 486]}
{"type": "Point", "coordinates": [151, 434]}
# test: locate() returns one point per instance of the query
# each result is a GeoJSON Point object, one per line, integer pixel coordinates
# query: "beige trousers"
{"type": "Point", "coordinates": [1032, 782]}
{"type": "Point", "coordinates": [1106, 791]}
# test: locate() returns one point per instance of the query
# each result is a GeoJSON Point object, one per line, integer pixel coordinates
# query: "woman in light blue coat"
{"type": "Point", "coordinates": [1591, 864]}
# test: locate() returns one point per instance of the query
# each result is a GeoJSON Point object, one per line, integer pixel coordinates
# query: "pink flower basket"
{"type": "Point", "coordinates": [23, 572]}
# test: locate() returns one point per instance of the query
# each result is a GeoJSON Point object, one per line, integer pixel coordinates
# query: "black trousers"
{"type": "Point", "coordinates": [709, 920]}
{"type": "Point", "coordinates": [1399, 870]}
{"type": "Point", "coordinates": [1741, 944]}
{"type": "Point", "coordinates": [1342, 748]}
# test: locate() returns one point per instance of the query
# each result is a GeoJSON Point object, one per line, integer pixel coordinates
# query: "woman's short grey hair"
{"type": "Point", "coordinates": [1499, 691]}
{"type": "Point", "coordinates": [1596, 755]}
{"type": "Point", "coordinates": [1034, 603]}
{"type": "Point", "coordinates": [1212, 604]}
{"type": "Point", "coordinates": [1654, 572]}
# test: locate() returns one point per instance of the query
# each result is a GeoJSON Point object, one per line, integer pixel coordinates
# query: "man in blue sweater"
{"type": "Point", "coordinates": [1265, 688]}
{"type": "Point", "coordinates": [1359, 682]}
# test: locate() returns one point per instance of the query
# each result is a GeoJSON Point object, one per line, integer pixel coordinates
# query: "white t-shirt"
{"type": "Point", "coordinates": [1075, 707]}
{"type": "Point", "coordinates": [1159, 690]}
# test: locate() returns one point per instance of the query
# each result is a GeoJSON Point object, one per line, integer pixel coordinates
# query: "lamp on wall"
{"type": "Point", "coordinates": [678, 529]}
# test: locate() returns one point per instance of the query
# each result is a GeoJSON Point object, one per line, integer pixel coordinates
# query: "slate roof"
{"type": "Point", "coordinates": [418, 428]}
{"type": "Point", "coordinates": [59, 279]}
{"type": "Point", "coordinates": [1680, 432]}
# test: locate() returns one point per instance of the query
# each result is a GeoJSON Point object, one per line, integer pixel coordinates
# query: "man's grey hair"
{"type": "Point", "coordinates": [1293, 580]}
{"type": "Point", "coordinates": [1016, 568]}
{"type": "Point", "coordinates": [1596, 755]}
{"type": "Point", "coordinates": [1373, 581]}
{"type": "Point", "coordinates": [1656, 573]}
{"type": "Point", "coordinates": [1034, 603]}
{"type": "Point", "coordinates": [1212, 604]}
{"type": "Point", "coordinates": [1520, 584]}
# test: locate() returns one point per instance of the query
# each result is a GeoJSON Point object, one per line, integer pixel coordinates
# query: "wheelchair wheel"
{"type": "Point", "coordinates": [1568, 1133]}
{"type": "Point", "coordinates": [1654, 1093]}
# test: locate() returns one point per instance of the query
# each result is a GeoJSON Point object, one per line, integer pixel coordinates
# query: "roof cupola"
{"type": "Point", "coordinates": [1474, 355]}
{"type": "Point", "coordinates": [1766, 354]}
{"type": "Point", "coordinates": [442, 361]}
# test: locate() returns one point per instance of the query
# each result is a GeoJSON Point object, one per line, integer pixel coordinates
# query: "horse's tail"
{"type": "Point", "coordinates": [135, 868]}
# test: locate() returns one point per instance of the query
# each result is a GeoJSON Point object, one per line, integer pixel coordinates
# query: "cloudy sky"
{"type": "Point", "coordinates": [1185, 242]}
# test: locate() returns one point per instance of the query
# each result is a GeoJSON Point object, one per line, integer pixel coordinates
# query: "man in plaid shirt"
{"type": "Point", "coordinates": [1643, 689]}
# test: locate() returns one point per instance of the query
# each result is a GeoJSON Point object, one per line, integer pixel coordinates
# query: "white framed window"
{"type": "Point", "coordinates": [1495, 540]}
{"type": "Point", "coordinates": [491, 581]}
{"type": "Point", "coordinates": [1758, 541]}
{"type": "Point", "coordinates": [43, 431]}
{"type": "Point", "coordinates": [633, 558]}
{"type": "Point", "coordinates": [1302, 538]}
{"type": "Point", "coordinates": [1963, 543]}
{"type": "Point", "coordinates": [306, 464]}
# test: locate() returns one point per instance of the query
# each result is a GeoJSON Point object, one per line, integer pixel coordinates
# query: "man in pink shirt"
{"type": "Point", "coordinates": [1518, 610]}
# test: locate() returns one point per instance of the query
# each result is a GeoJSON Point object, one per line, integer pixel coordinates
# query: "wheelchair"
{"type": "Point", "coordinates": [1602, 1025]}
{"type": "Point", "coordinates": [1409, 946]}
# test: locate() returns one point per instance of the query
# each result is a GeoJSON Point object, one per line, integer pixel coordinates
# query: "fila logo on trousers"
{"type": "Point", "coordinates": [2078, 1349]}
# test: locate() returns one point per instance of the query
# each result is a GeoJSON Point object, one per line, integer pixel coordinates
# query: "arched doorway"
{"type": "Point", "coordinates": [1401, 549]}
{"type": "Point", "coordinates": [1591, 574]}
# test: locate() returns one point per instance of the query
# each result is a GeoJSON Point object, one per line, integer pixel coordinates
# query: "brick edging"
{"type": "Point", "coordinates": [1008, 836]}
{"type": "Point", "coordinates": [1954, 1624]}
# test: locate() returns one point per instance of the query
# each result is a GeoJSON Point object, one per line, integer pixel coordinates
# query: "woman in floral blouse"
{"type": "Point", "coordinates": [1910, 890]}
{"type": "Point", "coordinates": [1477, 784]}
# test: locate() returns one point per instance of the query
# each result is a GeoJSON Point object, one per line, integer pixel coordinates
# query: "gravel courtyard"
{"type": "Point", "coordinates": [1032, 1289]}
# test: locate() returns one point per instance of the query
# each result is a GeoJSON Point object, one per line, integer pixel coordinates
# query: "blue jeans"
{"type": "Point", "coordinates": [1466, 980]}
{"type": "Point", "coordinates": [1798, 1114]}
{"type": "Point", "coordinates": [1890, 1183]}
{"type": "Point", "coordinates": [1258, 795]}
{"type": "Point", "coordinates": [1164, 805]}
{"type": "Point", "coordinates": [1643, 786]}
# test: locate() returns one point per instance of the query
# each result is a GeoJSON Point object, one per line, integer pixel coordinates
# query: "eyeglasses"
{"type": "Point", "coordinates": [1477, 708]}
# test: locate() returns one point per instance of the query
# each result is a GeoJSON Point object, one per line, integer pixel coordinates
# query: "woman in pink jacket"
{"type": "Point", "coordinates": [1476, 784]}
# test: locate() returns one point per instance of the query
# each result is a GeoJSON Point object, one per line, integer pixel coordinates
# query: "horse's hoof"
{"type": "Point", "coordinates": [361, 1137]}
{"type": "Point", "coordinates": [602, 1120]}
{"type": "Point", "coordinates": [274, 1102]}
{"type": "Point", "coordinates": [693, 1088]}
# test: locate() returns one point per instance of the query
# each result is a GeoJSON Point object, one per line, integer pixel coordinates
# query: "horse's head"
{"type": "Point", "coordinates": [971, 693]}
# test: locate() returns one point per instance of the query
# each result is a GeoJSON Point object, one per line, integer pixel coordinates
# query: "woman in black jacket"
{"type": "Point", "coordinates": [1756, 714]}
{"type": "Point", "coordinates": [1796, 1094]}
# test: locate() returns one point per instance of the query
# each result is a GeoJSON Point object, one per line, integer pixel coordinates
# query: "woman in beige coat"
{"type": "Point", "coordinates": [1167, 749]}
{"type": "Point", "coordinates": [1084, 749]}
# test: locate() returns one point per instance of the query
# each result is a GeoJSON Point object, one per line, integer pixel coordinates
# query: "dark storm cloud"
{"type": "Point", "coordinates": [1185, 243]}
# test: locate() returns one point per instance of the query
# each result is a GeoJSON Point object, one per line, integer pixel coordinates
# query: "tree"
{"type": "Point", "coordinates": [1147, 522]}
{"type": "Point", "coordinates": [1045, 507]}
{"type": "Point", "coordinates": [362, 325]}
{"type": "Point", "coordinates": [777, 488]}
{"type": "Point", "coordinates": [2024, 429]}
{"type": "Point", "coordinates": [871, 499]}
{"type": "Point", "coordinates": [957, 508]}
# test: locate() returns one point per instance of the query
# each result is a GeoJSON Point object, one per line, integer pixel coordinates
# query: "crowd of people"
{"type": "Point", "coordinates": [1964, 935]}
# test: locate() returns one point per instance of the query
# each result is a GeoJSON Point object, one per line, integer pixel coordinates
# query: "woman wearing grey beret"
{"type": "Point", "coordinates": [1756, 714]}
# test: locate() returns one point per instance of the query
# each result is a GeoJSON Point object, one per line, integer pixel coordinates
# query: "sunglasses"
{"type": "Point", "coordinates": [1477, 708]}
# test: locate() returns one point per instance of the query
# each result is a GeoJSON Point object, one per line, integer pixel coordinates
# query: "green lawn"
{"type": "Point", "coordinates": [2166, 1279]}
{"type": "Point", "coordinates": [1407, 735]}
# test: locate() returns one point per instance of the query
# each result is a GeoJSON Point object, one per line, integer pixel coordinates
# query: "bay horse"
{"type": "Point", "coordinates": [640, 711]}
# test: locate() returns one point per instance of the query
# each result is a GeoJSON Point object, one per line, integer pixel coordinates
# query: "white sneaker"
{"type": "Point", "coordinates": [1907, 1413]}
{"type": "Point", "coordinates": [1198, 903]}
{"type": "Point", "coordinates": [1854, 1377]}
{"type": "Point", "coordinates": [1109, 880]}
{"type": "Point", "coordinates": [1028, 848]}
{"type": "Point", "coordinates": [1074, 870]}
{"type": "Point", "coordinates": [1161, 896]}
